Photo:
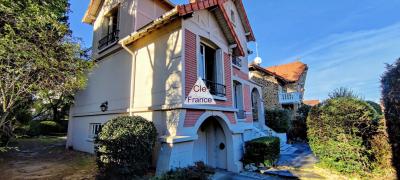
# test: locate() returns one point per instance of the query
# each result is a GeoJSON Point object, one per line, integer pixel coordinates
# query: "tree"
{"type": "Point", "coordinates": [343, 92]}
{"type": "Point", "coordinates": [37, 54]}
{"type": "Point", "coordinates": [391, 100]}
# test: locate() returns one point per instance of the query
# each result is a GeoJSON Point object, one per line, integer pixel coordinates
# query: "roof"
{"type": "Point", "coordinates": [311, 102]}
{"type": "Point", "coordinates": [291, 71]}
{"type": "Point", "coordinates": [259, 68]}
{"type": "Point", "coordinates": [94, 9]}
{"type": "Point", "coordinates": [188, 9]}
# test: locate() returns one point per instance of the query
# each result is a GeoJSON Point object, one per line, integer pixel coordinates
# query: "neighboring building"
{"type": "Point", "coordinates": [311, 102]}
{"type": "Point", "coordinates": [149, 54]}
{"type": "Point", "coordinates": [282, 85]}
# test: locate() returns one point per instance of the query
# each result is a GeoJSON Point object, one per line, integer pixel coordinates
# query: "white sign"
{"type": "Point", "coordinates": [199, 94]}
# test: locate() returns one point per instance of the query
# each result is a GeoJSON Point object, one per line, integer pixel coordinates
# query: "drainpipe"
{"type": "Point", "coordinates": [133, 78]}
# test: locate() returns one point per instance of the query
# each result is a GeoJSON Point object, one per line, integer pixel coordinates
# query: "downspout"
{"type": "Point", "coordinates": [133, 79]}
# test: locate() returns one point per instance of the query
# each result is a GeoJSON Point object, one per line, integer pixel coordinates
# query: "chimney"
{"type": "Point", "coordinates": [193, 1]}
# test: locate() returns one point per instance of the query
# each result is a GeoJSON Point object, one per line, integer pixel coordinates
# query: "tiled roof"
{"type": "Point", "coordinates": [253, 66]}
{"type": "Point", "coordinates": [291, 71]}
{"type": "Point", "coordinates": [311, 102]}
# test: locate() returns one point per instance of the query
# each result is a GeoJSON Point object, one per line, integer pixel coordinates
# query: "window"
{"type": "Point", "coordinates": [255, 102]}
{"type": "Point", "coordinates": [94, 129]}
{"type": "Point", "coordinates": [211, 69]}
{"type": "Point", "coordinates": [233, 17]}
{"type": "Point", "coordinates": [238, 99]}
{"type": "Point", "coordinates": [109, 29]}
{"type": "Point", "coordinates": [237, 61]}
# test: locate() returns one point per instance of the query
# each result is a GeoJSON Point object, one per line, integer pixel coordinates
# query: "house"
{"type": "Point", "coordinates": [149, 54]}
{"type": "Point", "coordinates": [313, 102]}
{"type": "Point", "coordinates": [282, 85]}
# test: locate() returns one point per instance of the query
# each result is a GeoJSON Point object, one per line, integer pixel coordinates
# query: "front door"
{"type": "Point", "coordinates": [220, 148]}
{"type": "Point", "coordinates": [210, 147]}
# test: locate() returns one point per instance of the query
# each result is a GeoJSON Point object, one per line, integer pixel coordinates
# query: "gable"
{"type": "Point", "coordinates": [218, 9]}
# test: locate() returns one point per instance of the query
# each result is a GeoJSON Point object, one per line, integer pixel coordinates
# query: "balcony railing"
{"type": "Point", "coordinates": [215, 88]}
{"type": "Point", "coordinates": [237, 61]}
{"type": "Point", "coordinates": [290, 98]}
{"type": "Point", "coordinates": [108, 39]}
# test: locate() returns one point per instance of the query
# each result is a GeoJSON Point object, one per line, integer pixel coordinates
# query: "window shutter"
{"type": "Point", "coordinates": [219, 61]}
{"type": "Point", "coordinates": [200, 62]}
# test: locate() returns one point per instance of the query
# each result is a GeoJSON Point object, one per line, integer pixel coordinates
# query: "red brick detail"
{"type": "Point", "coordinates": [231, 117]}
{"type": "Point", "coordinates": [238, 73]}
{"type": "Point", "coordinates": [228, 81]}
{"type": "Point", "coordinates": [190, 61]}
{"type": "Point", "coordinates": [247, 102]}
{"type": "Point", "coordinates": [191, 117]}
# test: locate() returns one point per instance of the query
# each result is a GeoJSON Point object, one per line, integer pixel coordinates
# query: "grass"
{"type": "Point", "coordinates": [45, 157]}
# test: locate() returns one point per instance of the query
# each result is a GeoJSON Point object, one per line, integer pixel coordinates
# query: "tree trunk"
{"type": "Point", "coordinates": [55, 114]}
{"type": "Point", "coordinates": [3, 119]}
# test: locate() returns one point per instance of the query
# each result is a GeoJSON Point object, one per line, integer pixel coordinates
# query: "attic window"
{"type": "Point", "coordinates": [233, 17]}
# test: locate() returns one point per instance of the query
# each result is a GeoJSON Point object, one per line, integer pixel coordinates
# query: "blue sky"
{"type": "Point", "coordinates": [345, 43]}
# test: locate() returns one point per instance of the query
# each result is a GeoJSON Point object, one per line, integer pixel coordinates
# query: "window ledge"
{"type": "Point", "coordinates": [219, 98]}
{"type": "Point", "coordinates": [236, 66]}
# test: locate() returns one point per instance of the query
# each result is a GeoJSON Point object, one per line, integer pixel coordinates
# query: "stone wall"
{"type": "Point", "coordinates": [270, 89]}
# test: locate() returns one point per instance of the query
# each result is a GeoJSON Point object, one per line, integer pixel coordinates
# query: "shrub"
{"type": "Point", "coordinates": [198, 172]}
{"type": "Point", "coordinates": [277, 119]}
{"type": "Point", "coordinates": [298, 129]}
{"type": "Point", "coordinates": [49, 127]}
{"type": "Point", "coordinates": [124, 146]}
{"type": "Point", "coordinates": [262, 150]}
{"type": "Point", "coordinates": [380, 146]}
{"type": "Point", "coordinates": [339, 132]}
{"type": "Point", "coordinates": [344, 93]}
{"type": "Point", "coordinates": [376, 106]}
{"type": "Point", "coordinates": [391, 100]}
{"type": "Point", "coordinates": [43, 128]}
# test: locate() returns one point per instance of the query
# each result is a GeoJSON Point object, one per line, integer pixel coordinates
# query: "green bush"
{"type": "Point", "coordinates": [339, 133]}
{"type": "Point", "coordinates": [298, 129]}
{"type": "Point", "coordinates": [49, 127]}
{"type": "Point", "coordinates": [277, 119]}
{"type": "Point", "coordinates": [43, 128]}
{"type": "Point", "coordinates": [124, 146]}
{"type": "Point", "coordinates": [391, 100]}
{"type": "Point", "coordinates": [198, 172]}
{"type": "Point", "coordinates": [262, 150]}
{"type": "Point", "coordinates": [376, 106]}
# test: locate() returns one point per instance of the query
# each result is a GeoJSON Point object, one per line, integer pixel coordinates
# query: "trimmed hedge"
{"type": "Point", "coordinates": [278, 119]}
{"type": "Point", "coordinates": [262, 150]}
{"type": "Point", "coordinates": [43, 128]}
{"type": "Point", "coordinates": [124, 147]}
{"type": "Point", "coordinates": [391, 99]}
{"type": "Point", "coordinates": [340, 132]}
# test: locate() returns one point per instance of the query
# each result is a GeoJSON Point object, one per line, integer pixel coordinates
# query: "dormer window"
{"type": "Point", "coordinates": [110, 29]}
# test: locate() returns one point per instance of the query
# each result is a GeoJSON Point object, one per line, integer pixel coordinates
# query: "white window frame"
{"type": "Point", "coordinates": [93, 127]}
{"type": "Point", "coordinates": [201, 60]}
